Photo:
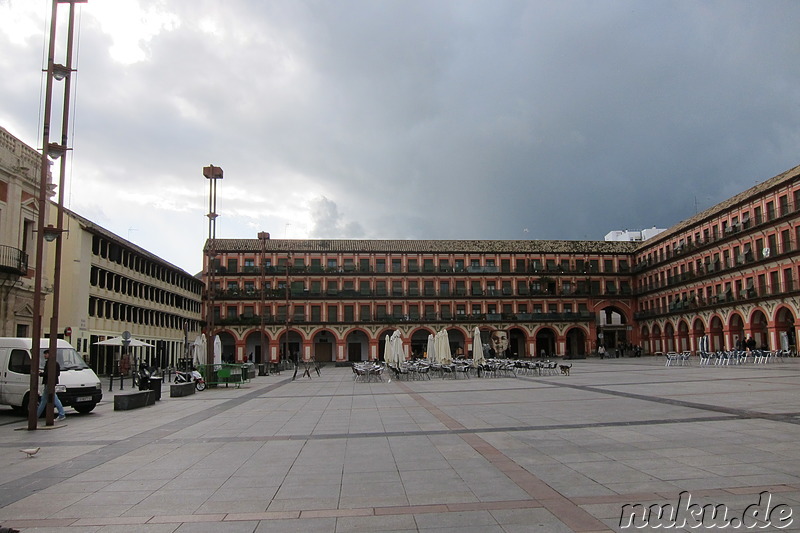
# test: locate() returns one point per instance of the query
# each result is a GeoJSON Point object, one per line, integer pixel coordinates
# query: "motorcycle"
{"type": "Point", "coordinates": [187, 377]}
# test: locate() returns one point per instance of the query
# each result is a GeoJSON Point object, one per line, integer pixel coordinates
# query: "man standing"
{"type": "Point", "coordinates": [56, 401]}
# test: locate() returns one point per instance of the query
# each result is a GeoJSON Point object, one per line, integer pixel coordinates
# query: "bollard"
{"type": "Point", "coordinates": [121, 381]}
{"type": "Point", "coordinates": [111, 383]}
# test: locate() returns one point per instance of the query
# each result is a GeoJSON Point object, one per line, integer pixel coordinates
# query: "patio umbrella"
{"type": "Point", "coordinates": [387, 351]}
{"type": "Point", "coordinates": [477, 348]}
{"type": "Point", "coordinates": [443, 348]}
{"type": "Point", "coordinates": [431, 348]}
{"type": "Point", "coordinates": [217, 350]}
{"type": "Point", "coordinates": [397, 348]}
{"type": "Point", "coordinates": [199, 348]}
{"type": "Point", "coordinates": [119, 341]}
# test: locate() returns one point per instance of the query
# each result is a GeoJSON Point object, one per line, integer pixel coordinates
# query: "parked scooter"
{"type": "Point", "coordinates": [193, 375]}
{"type": "Point", "coordinates": [142, 377]}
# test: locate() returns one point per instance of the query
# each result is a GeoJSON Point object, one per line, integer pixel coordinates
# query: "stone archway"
{"type": "Point", "coordinates": [759, 330]}
{"type": "Point", "coordinates": [517, 343]}
{"type": "Point", "coordinates": [324, 347]}
{"type": "Point", "coordinates": [698, 332]}
{"type": "Point", "coordinates": [419, 342]}
{"type": "Point", "coordinates": [785, 325]}
{"type": "Point", "coordinates": [669, 337]}
{"type": "Point", "coordinates": [736, 330]}
{"type": "Point", "coordinates": [357, 346]}
{"type": "Point", "coordinates": [576, 342]}
{"type": "Point", "coordinates": [716, 334]}
{"type": "Point", "coordinates": [646, 341]}
{"type": "Point", "coordinates": [252, 348]}
{"type": "Point", "coordinates": [228, 347]}
{"type": "Point", "coordinates": [657, 345]}
{"type": "Point", "coordinates": [683, 337]}
{"type": "Point", "coordinates": [612, 324]}
{"type": "Point", "coordinates": [545, 342]}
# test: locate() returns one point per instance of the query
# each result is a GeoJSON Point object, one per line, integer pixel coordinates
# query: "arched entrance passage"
{"type": "Point", "coordinates": [545, 342]}
{"type": "Point", "coordinates": [357, 346]}
{"type": "Point", "coordinates": [252, 348]}
{"type": "Point", "coordinates": [576, 342]}
{"type": "Point", "coordinates": [716, 334]}
{"type": "Point", "coordinates": [698, 332]}
{"type": "Point", "coordinates": [758, 329]}
{"type": "Point", "coordinates": [382, 337]}
{"type": "Point", "coordinates": [456, 339]}
{"type": "Point", "coordinates": [646, 346]}
{"type": "Point", "coordinates": [683, 336]}
{"type": "Point", "coordinates": [736, 327]}
{"type": "Point", "coordinates": [786, 328]}
{"type": "Point", "coordinates": [419, 342]}
{"type": "Point", "coordinates": [657, 346]}
{"type": "Point", "coordinates": [517, 342]}
{"type": "Point", "coordinates": [669, 337]}
{"type": "Point", "coordinates": [290, 349]}
{"type": "Point", "coordinates": [324, 346]}
{"type": "Point", "coordinates": [612, 324]}
{"type": "Point", "coordinates": [228, 347]}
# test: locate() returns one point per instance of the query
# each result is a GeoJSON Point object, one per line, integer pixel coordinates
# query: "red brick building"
{"type": "Point", "coordinates": [728, 272]}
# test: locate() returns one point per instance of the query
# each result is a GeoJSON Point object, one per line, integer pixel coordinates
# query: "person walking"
{"type": "Point", "coordinates": [43, 400]}
{"type": "Point", "coordinates": [601, 351]}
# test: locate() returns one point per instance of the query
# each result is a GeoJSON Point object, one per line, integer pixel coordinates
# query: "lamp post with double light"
{"type": "Point", "coordinates": [263, 236]}
{"type": "Point", "coordinates": [49, 233]}
{"type": "Point", "coordinates": [212, 174]}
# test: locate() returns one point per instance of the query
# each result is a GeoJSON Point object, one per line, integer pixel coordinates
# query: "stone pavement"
{"type": "Point", "coordinates": [535, 453]}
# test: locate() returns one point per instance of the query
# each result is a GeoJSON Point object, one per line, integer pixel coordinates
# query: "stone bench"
{"type": "Point", "coordinates": [176, 390]}
{"type": "Point", "coordinates": [133, 400]}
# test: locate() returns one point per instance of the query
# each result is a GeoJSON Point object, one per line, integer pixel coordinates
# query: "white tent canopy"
{"type": "Point", "coordinates": [119, 341]}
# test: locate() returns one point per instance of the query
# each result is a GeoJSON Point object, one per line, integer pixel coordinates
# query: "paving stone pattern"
{"type": "Point", "coordinates": [532, 453]}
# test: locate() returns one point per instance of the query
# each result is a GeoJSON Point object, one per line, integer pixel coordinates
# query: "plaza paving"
{"type": "Point", "coordinates": [532, 453]}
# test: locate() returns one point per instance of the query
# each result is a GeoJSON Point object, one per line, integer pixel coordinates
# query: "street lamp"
{"type": "Point", "coordinates": [50, 234]}
{"type": "Point", "coordinates": [263, 236]}
{"type": "Point", "coordinates": [212, 174]}
{"type": "Point", "coordinates": [286, 341]}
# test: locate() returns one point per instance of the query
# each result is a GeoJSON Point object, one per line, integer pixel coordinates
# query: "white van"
{"type": "Point", "coordinates": [82, 384]}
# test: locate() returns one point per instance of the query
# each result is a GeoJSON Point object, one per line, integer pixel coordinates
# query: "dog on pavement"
{"type": "Point", "coordinates": [565, 369]}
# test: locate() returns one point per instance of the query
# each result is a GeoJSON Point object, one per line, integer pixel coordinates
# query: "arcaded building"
{"type": "Point", "coordinates": [728, 272]}
{"type": "Point", "coordinates": [116, 286]}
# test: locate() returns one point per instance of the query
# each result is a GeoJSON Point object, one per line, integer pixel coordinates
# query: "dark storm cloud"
{"type": "Point", "coordinates": [444, 119]}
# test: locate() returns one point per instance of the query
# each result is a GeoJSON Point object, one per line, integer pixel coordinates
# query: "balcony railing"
{"type": "Point", "coordinates": [507, 319]}
{"type": "Point", "coordinates": [428, 294]}
{"type": "Point", "coordinates": [13, 261]}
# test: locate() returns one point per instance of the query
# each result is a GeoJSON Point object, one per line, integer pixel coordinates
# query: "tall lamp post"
{"type": "Point", "coordinates": [212, 174]}
{"type": "Point", "coordinates": [288, 318]}
{"type": "Point", "coordinates": [263, 236]}
{"type": "Point", "coordinates": [60, 73]}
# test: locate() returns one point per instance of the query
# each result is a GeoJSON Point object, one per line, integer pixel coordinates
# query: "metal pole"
{"type": "Point", "coordinates": [263, 236]}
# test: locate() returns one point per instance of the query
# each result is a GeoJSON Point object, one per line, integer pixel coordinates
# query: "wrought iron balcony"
{"type": "Point", "coordinates": [13, 261]}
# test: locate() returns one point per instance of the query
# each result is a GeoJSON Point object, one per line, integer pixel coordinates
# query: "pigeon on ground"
{"type": "Point", "coordinates": [30, 451]}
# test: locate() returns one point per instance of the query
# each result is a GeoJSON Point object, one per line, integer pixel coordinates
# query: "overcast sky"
{"type": "Point", "coordinates": [410, 119]}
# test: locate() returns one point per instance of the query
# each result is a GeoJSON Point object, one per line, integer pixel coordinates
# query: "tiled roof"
{"type": "Point", "coordinates": [422, 246]}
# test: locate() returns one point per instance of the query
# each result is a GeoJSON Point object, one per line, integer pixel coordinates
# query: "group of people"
{"type": "Point", "coordinates": [748, 344]}
{"type": "Point", "coordinates": [622, 349]}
